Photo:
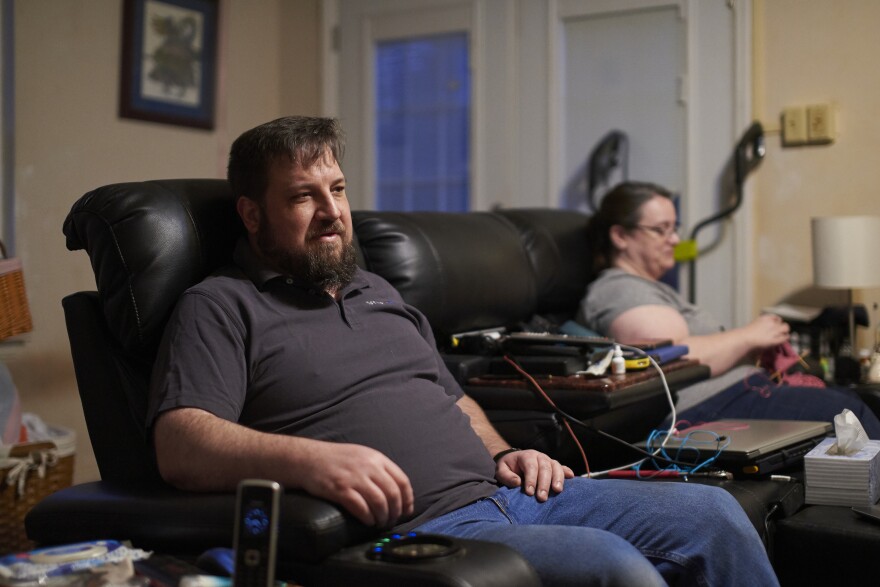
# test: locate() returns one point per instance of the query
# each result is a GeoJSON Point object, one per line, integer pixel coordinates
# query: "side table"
{"type": "Point", "coordinates": [826, 545]}
{"type": "Point", "coordinates": [583, 396]}
{"type": "Point", "coordinates": [627, 406]}
{"type": "Point", "coordinates": [870, 394]}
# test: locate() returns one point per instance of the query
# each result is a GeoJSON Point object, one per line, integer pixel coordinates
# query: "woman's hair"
{"type": "Point", "coordinates": [623, 206]}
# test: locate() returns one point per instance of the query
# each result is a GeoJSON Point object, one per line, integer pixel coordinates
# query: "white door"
{"type": "Point", "coordinates": [622, 71]}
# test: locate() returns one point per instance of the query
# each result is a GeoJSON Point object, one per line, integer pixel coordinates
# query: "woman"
{"type": "Point", "coordinates": [633, 234]}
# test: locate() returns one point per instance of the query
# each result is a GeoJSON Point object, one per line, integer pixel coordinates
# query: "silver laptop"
{"type": "Point", "coordinates": [747, 447]}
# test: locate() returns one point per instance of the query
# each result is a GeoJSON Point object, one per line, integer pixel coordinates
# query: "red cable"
{"type": "Point", "coordinates": [546, 398]}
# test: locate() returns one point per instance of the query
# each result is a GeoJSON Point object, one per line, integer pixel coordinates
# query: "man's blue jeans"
{"type": "Point", "coordinates": [621, 532]}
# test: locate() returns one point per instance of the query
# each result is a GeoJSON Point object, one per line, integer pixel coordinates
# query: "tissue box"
{"type": "Point", "coordinates": [842, 479]}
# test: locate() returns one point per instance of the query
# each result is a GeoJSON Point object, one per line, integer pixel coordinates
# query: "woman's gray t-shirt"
{"type": "Point", "coordinates": [615, 291]}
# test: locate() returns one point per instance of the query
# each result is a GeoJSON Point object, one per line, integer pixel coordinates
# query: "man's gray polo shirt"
{"type": "Point", "coordinates": [255, 347]}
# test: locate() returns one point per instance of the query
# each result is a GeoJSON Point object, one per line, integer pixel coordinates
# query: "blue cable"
{"type": "Point", "coordinates": [688, 442]}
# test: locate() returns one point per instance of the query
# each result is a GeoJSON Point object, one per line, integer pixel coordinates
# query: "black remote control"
{"type": "Point", "coordinates": [256, 533]}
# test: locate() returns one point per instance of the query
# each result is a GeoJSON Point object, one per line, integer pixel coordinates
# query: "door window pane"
{"type": "Point", "coordinates": [423, 124]}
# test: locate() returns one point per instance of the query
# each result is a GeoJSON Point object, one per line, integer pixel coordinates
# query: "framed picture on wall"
{"type": "Point", "coordinates": [169, 61]}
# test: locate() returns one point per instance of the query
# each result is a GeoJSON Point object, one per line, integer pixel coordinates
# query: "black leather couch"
{"type": "Point", "coordinates": [148, 241]}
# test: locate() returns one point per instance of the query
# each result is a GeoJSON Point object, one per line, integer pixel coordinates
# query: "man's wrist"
{"type": "Point", "coordinates": [506, 451]}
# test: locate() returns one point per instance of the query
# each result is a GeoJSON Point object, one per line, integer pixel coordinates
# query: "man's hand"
{"type": "Point", "coordinates": [198, 451]}
{"type": "Point", "coordinates": [362, 480]}
{"type": "Point", "coordinates": [534, 471]}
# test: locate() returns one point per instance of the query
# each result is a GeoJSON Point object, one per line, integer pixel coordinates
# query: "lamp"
{"type": "Point", "coordinates": [845, 256]}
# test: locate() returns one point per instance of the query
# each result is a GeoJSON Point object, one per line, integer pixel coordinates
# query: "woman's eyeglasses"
{"type": "Point", "coordinates": [661, 231]}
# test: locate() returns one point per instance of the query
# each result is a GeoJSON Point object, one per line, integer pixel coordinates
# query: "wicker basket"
{"type": "Point", "coordinates": [31, 472]}
{"type": "Point", "coordinates": [15, 317]}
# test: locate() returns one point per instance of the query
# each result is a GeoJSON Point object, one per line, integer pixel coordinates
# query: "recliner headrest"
{"type": "Point", "coordinates": [148, 242]}
{"type": "Point", "coordinates": [556, 243]}
{"type": "Point", "coordinates": [464, 271]}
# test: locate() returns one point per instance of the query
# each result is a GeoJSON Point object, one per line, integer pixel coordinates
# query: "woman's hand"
{"type": "Point", "coordinates": [767, 330]}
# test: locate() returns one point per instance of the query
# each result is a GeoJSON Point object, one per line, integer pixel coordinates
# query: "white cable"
{"type": "Point", "coordinates": [669, 432]}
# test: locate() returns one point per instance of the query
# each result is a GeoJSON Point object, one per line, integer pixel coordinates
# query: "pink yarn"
{"type": "Point", "coordinates": [777, 361]}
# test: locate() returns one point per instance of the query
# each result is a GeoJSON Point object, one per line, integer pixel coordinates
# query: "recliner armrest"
{"type": "Point", "coordinates": [150, 517]}
{"type": "Point", "coordinates": [318, 544]}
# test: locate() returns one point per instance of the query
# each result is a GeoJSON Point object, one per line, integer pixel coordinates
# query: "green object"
{"type": "Point", "coordinates": [686, 251]}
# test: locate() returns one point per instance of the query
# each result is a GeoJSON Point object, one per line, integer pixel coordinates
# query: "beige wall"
{"type": "Point", "coordinates": [69, 140]}
{"type": "Point", "coordinates": [809, 51]}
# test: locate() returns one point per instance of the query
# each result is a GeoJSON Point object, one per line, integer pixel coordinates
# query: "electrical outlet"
{"type": "Point", "coordinates": [820, 123]}
{"type": "Point", "coordinates": [794, 126]}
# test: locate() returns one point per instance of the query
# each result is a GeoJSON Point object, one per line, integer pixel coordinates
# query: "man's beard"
{"type": "Point", "coordinates": [321, 264]}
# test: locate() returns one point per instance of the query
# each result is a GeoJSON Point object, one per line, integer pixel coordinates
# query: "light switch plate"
{"type": "Point", "coordinates": [794, 126]}
{"type": "Point", "coordinates": [820, 123]}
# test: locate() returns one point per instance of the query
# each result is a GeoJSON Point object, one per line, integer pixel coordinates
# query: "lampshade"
{"type": "Point", "coordinates": [846, 251]}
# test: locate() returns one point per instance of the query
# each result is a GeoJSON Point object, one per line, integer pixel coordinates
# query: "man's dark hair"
{"type": "Point", "coordinates": [303, 139]}
{"type": "Point", "coordinates": [623, 206]}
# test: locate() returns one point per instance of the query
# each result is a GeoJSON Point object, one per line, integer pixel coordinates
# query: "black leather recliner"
{"type": "Point", "coordinates": [147, 243]}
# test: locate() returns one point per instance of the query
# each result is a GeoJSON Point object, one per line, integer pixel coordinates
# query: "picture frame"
{"type": "Point", "coordinates": [169, 61]}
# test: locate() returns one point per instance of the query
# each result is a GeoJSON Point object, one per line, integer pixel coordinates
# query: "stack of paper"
{"type": "Point", "coordinates": [848, 480]}
{"type": "Point", "coordinates": [793, 313]}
